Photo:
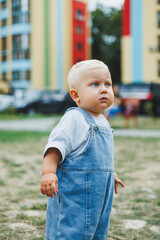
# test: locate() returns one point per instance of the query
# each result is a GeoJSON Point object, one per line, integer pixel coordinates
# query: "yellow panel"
{"type": "Point", "coordinates": [53, 68]}
{"type": "Point", "coordinates": [67, 26]}
{"type": "Point", "coordinates": [37, 44]}
{"type": "Point", "coordinates": [150, 41]}
{"type": "Point", "coordinates": [89, 49]}
{"type": "Point", "coordinates": [126, 63]}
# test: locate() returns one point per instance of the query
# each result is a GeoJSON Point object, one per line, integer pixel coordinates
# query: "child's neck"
{"type": "Point", "coordinates": [94, 114]}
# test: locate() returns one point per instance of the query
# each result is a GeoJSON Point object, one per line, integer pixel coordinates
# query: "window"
{"type": "Point", "coordinates": [16, 41]}
{"type": "Point", "coordinates": [20, 17]}
{"type": "Point", "coordinates": [4, 76]}
{"type": "Point", "coordinates": [20, 45]}
{"type": "Point", "coordinates": [15, 76]}
{"type": "Point", "coordinates": [4, 44]}
{"type": "Point", "coordinates": [24, 41]}
{"type": "Point", "coordinates": [25, 5]}
{"type": "Point", "coordinates": [3, 22]}
{"type": "Point", "coordinates": [21, 75]}
{"type": "Point", "coordinates": [4, 55]}
{"type": "Point", "coordinates": [158, 19]}
{"type": "Point", "coordinates": [20, 54]}
{"type": "Point", "coordinates": [158, 68]}
{"type": "Point", "coordinates": [4, 49]}
{"type": "Point", "coordinates": [20, 41]}
{"type": "Point", "coordinates": [79, 46]}
{"type": "Point", "coordinates": [16, 5]}
{"type": "Point", "coordinates": [20, 6]}
{"type": "Point", "coordinates": [79, 15]}
{"type": "Point", "coordinates": [158, 43]}
{"type": "Point", "coordinates": [3, 4]}
{"type": "Point", "coordinates": [79, 30]}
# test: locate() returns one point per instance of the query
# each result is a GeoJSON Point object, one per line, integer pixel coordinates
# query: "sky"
{"type": "Point", "coordinates": [107, 3]}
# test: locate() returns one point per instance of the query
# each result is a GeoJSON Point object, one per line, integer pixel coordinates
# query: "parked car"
{"type": "Point", "coordinates": [47, 102]}
{"type": "Point", "coordinates": [6, 101]}
{"type": "Point", "coordinates": [25, 101]}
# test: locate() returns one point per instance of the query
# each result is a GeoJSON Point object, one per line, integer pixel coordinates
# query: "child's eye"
{"type": "Point", "coordinates": [107, 84]}
{"type": "Point", "coordinates": [95, 84]}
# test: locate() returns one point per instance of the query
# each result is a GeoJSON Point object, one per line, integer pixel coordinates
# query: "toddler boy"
{"type": "Point", "coordinates": [78, 167]}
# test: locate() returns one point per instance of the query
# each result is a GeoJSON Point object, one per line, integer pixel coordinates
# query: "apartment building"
{"type": "Point", "coordinates": [39, 42]}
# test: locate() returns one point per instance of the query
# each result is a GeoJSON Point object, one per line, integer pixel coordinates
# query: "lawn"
{"type": "Point", "coordinates": [144, 122]}
{"type": "Point", "coordinates": [22, 206]}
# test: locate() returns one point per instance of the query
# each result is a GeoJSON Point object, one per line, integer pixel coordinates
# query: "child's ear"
{"type": "Point", "coordinates": [74, 95]}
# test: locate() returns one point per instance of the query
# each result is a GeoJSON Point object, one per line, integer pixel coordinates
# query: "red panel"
{"type": "Point", "coordinates": [126, 18]}
{"type": "Point", "coordinates": [79, 31]}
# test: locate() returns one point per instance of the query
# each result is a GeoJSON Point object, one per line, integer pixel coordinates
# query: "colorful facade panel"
{"type": "Point", "coordinates": [140, 34]}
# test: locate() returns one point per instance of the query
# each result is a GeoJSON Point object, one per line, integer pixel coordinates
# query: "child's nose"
{"type": "Point", "coordinates": [103, 89]}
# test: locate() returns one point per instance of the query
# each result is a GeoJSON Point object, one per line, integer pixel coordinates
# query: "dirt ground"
{"type": "Point", "coordinates": [136, 210]}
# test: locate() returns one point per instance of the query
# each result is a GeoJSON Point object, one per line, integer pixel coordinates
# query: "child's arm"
{"type": "Point", "coordinates": [49, 181]}
{"type": "Point", "coordinates": [117, 181]}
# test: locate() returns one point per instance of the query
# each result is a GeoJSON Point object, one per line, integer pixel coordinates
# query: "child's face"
{"type": "Point", "coordinates": [95, 92]}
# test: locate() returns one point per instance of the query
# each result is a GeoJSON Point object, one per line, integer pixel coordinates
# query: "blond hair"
{"type": "Point", "coordinates": [81, 67]}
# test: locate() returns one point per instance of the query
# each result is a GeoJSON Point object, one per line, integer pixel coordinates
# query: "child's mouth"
{"type": "Point", "coordinates": [104, 99]}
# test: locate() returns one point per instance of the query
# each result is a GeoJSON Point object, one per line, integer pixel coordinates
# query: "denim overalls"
{"type": "Point", "coordinates": [81, 210]}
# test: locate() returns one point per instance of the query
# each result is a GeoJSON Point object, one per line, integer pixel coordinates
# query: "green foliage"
{"type": "Point", "coordinates": [106, 36]}
{"type": "Point", "coordinates": [149, 108]}
{"type": "Point", "coordinates": [10, 110]}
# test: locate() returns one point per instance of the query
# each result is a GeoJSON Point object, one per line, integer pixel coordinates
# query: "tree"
{"type": "Point", "coordinates": [106, 35]}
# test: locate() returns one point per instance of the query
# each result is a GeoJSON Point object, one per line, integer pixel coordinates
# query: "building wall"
{"type": "Point", "coordinates": [151, 54]}
{"type": "Point", "coordinates": [140, 32]}
{"type": "Point", "coordinates": [37, 44]}
{"type": "Point", "coordinates": [53, 69]}
{"type": "Point", "coordinates": [126, 57]}
{"type": "Point", "coordinates": [52, 43]}
{"type": "Point", "coordinates": [14, 23]}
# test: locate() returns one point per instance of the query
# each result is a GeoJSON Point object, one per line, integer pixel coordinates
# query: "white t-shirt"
{"type": "Point", "coordinates": [72, 133]}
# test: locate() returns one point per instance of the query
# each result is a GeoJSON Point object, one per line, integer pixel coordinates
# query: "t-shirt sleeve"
{"type": "Point", "coordinates": [70, 133]}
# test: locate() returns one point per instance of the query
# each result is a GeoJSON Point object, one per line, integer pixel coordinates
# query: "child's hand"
{"type": "Point", "coordinates": [49, 184]}
{"type": "Point", "coordinates": [117, 181]}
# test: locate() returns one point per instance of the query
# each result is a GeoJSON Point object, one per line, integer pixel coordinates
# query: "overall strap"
{"type": "Point", "coordinates": [87, 116]}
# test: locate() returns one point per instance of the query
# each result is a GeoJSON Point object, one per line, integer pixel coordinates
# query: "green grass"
{"type": "Point", "coordinates": [14, 116]}
{"type": "Point", "coordinates": [18, 136]}
{"type": "Point", "coordinates": [143, 122]}
{"type": "Point", "coordinates": [137, 163]}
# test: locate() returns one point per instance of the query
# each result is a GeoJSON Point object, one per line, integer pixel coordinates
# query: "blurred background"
{"type": "Point", "coordinates": [40, 40]}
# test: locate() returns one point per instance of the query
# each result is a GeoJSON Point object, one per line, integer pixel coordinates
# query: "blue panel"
{"type": "Point", "coordinates": [4, 67]}
{"type": "Point", "coordinates": [4, 31]}
{"type": "Point", "coordinates": [4, 13]}
{"type": "Point", "coordinates": [60, 52]}
{"type": "Point", "coordinates": [16, 65]}
{"type": "Point", "coordinates": [137, 40]}
{"type": "Point", "coordinates": [18, 28]}
{"type": "Point", "coordinates": [21, 65]}
{"type": "Point", "coordinates": [21, 84]}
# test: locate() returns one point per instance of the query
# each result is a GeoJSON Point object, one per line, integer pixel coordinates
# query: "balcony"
{"type": "Point", "coordinates": [20, 17]}
{"type": "Point", "coordinates": [20, 54]}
